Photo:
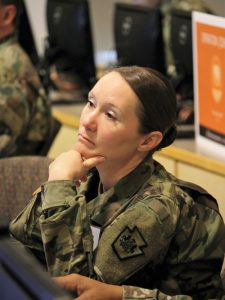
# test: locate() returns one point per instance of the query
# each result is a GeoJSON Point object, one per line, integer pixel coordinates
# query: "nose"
{"type": "Point", "coordinates": [89, 121]}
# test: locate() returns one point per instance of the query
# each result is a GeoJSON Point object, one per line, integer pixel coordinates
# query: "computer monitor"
{"type": "Point", "coordinates": [138, 36]}
{"type": "Point", "coordinates": [70, 38]}
{"type": "Point", "coordinates": [181, 46]}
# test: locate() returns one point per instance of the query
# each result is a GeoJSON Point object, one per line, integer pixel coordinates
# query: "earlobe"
{"type": "Point", "coordinates": [150, 141]}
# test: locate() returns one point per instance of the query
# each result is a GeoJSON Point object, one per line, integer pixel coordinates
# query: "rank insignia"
{"type": "Point", "coordinates": [129, 243]}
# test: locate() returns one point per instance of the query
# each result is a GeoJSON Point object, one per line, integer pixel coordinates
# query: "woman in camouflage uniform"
{"type": "Point", "coordinates": [110, 212]}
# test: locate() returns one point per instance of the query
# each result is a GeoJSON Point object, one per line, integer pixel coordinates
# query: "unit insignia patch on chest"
{"type": "Point", "coordinates": [129, 243]}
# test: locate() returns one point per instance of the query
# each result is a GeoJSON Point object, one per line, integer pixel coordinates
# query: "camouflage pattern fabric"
{"type": "Point", "coordinates": [160, 237]}
{"type": "Point", "coordinates": [25, 116]}
{"type": "Point", "coordinates": [132, 293]}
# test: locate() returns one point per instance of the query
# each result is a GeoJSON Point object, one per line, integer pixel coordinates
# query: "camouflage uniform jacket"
{"type": "Point", "coordinates": [25, 117]}
{"type": "Point", "coordinates": [159, 235]}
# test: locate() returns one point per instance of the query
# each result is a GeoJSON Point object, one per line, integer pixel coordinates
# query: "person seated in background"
{"type": "Point", "coordinates": [111, 212]}
{"type": "Point", "coordinates": [25, 114]}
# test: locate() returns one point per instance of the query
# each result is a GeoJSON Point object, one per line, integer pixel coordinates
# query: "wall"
{"type": "Point", "coordinates": [217, 6]}
{"type": "Point", "coordinates": [36, 11]}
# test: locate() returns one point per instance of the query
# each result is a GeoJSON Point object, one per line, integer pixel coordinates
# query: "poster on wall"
{"type": "Point", "coordinates": [209, 83]}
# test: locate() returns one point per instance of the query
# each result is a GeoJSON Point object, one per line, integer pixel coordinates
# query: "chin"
{"type": "Point", "coordinates": [81, 148]}
{"type": "Point", "coordinates": [84, 151]}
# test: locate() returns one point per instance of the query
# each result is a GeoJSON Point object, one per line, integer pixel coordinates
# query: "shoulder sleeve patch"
{"type": "Point", "coordinates": [129, 243]}
{"type": "Point", "coordinates": [159, 208]}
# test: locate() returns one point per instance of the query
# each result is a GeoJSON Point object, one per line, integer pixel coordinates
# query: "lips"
{"type": "Point", "coordinates": [85, 139]}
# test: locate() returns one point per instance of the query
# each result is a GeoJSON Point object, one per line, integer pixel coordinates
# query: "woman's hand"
{"type": "Point", "coordinates": [85, 288]}
{"type": "Point", "coordinates": [71, 165]}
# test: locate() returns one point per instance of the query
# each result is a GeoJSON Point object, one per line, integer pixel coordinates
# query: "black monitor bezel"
{"type": "Point", "coordinates": [82, 64]}
{"type": "Point", "coordinates": [160, 64]}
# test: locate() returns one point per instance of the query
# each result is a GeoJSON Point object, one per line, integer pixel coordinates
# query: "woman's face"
{"type": "Point", "coordinates": [109, 123]}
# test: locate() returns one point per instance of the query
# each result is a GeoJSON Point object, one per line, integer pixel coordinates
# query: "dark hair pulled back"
{"type": "Point", "coordinates": [157, 110]}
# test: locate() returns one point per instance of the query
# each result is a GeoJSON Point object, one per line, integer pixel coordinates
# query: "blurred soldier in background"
{"type": "Point", "coordinates": [25, 116]}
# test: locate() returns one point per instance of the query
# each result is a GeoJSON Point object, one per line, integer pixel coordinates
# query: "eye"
{"type": "Point", "coordinates": [110, 115]}
{"type": "Point", "coordinates": [90, 103]}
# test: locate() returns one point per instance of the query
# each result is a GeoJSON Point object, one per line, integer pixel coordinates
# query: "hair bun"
{"type": "Point", "coordinates": [168, 137]}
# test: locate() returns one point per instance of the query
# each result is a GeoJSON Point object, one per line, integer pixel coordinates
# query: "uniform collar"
{"type": "Point", "coordinates": [106, 204]}
{"type": "Point", "coordinates": [8, 38]}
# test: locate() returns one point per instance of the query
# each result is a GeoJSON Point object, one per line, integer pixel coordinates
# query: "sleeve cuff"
{"type": "Point", "coordinates": [134, 293]}
{"type": "Point", "coordinates": [57, 193]}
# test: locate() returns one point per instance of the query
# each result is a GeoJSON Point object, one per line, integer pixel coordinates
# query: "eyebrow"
{"type": "Point", "coordinates": [91, 94]}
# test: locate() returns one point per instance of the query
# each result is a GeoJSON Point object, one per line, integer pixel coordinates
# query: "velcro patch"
{"type": "Point", "coordinates": [129, 243]}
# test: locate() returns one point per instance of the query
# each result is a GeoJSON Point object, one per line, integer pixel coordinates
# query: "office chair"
{"type": "Point", "coordinates": [19, 177]}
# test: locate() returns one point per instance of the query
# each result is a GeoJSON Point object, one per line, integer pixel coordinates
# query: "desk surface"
{"type": "Point", "coordinates": [183, 150]}
{"type": "Point", "coordinates": [68, 114]}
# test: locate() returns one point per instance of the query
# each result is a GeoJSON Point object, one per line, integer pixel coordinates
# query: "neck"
{"type": "Point", "coordinates": [110, 172]}
{"type": "Point", "coordinates": [6, 32]}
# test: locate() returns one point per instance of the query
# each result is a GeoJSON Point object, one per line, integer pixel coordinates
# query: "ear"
{"type": "Point", "coordinates": [150, 141]}
{"type": "Point", "coordinates": [9, 14]}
